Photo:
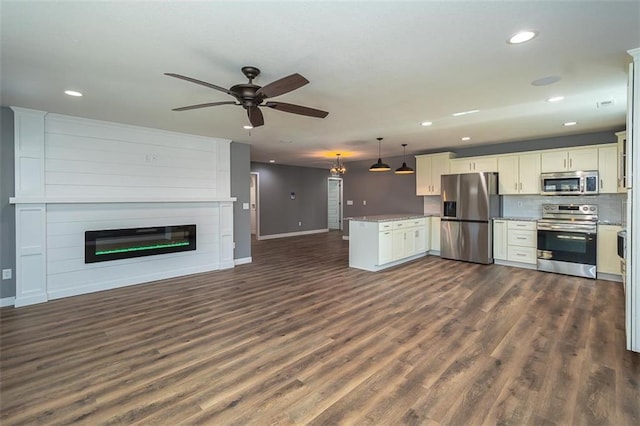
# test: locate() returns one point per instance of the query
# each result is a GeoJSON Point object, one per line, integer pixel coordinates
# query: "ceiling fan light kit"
{"type": "Point", "coordinates": [251, 96]}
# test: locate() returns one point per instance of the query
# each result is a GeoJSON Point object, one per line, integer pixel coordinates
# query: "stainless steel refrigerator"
{"type": "Point", "coordinates": [469, 201]}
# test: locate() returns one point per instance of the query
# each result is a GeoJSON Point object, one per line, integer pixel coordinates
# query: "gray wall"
{"type": "Point", "coordinates": [7, 211]}
{"type": "Point", "coordinates": [536, 144]}
{"type": "Point", "coordinates": [384, 192]}
{"type": "Point", "coordinates": [240, 181]}
{"type": "Point", "coordinates": [279, 214]}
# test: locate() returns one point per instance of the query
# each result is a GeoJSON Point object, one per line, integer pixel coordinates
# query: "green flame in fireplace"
{"type": "Point", "coordinates": [155, 246]}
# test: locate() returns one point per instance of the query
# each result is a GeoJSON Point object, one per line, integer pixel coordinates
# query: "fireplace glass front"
{"type": "Point", "coordinates": [113, 244]}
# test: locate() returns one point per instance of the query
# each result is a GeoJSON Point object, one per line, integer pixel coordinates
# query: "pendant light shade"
{"type": "Point", "coordinates": [404, 169]}
{"type": "Point", "coordinates": [379, 166]}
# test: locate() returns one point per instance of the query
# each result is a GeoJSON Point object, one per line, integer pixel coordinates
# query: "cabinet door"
{"type": "Point", "coordinates": [435, 233]}
{"type": "Point", "coordinates": [439, 167]}
{"type": "Point", "coordinates": [554, 161]}
{"type": "Point", "coordinates": [500, 239]}
{"type": "Point", "coordinates": [529, 174]}
{"type": "Point", "coordinates": [423, 175]}
{"type": "Point", "coordinates": [460, 165]}
{"type": "Point", "coordinates": [484, 164]}
{"type": "Point", "coordinates": [583, 159]}
{"type": "Point", "coordinates": [385, 247]}
{"type": "Point", "coordinates": [608, 261]}
{"type": "Point", "coordinates": [622, 161]}
{"type": "Point", "coordinates": [508, 182]}
{"type": "Point", "coordinates": [398, 244]}
{"type": "Point", "coordinates": [419, 234]}
{"type": "Point", "coordinates": [608, 169]}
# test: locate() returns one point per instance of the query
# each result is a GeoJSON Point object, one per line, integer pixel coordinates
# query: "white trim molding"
{"type": "Point", "coordinates": [243, 260]}
{"type": "Point", "coordinates": [292, 234]}
{"type": "Point", "coordinates": [7, 301]}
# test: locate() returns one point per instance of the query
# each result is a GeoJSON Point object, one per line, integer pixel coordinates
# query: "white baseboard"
{"type": "Point", "coordinates": [292, 234]}
{"type": "Point", "coordinates": [345, 237]}
{"type": "Point", "coordinates": [243, 260]}
{"type": "Point", "coordinates": [609, 277]}
{"type": "Point", "coordinates": [7, 301]}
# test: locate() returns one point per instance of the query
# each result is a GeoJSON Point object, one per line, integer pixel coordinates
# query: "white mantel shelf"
{"type": "Point", "coordinates": [89, 200]}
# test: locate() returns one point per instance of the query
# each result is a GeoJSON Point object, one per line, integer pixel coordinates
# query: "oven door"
{"type": "Point", "coordinates": [567, 246]}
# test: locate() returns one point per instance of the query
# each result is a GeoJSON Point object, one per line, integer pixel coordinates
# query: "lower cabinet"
{"type": "Point", "coordinates": [514, 243]}
{"type": "Point", "coordinates": [378, 245]}
{"type": "Point", "coordinates": [608, 261]}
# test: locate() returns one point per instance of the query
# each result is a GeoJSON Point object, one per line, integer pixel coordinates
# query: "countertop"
{"type": "Point", "coordinates": [388, 217]}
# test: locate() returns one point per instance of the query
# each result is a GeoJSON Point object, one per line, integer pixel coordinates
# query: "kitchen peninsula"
{"type": "Point", "coordinates": [383, 241]}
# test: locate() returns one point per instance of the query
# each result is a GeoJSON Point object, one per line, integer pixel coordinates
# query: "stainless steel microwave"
{"type": "Point", "coordinates": [569, 183]}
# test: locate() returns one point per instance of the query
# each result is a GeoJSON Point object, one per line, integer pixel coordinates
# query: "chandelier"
{"type": "Point", "coordinates": [338, 168]}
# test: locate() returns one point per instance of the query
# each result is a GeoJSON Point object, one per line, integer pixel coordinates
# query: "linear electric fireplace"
{"type": "Point", "coordinates": [112, 244]}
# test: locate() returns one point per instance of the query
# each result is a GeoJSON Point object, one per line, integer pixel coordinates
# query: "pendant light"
{"type": "Point", "coordinates": [404, 169]}
{"type": "Point", "coordinates": [338, 168]}
{"type": "Point", "coordinates": [379, 166]}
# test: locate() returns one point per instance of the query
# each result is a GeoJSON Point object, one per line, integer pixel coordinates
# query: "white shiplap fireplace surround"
{"type": "Point", "coordinates": [74, 175]}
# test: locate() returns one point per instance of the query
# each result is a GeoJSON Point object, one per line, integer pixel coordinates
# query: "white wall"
{"type": "Point", "coordinates": [74, 175]}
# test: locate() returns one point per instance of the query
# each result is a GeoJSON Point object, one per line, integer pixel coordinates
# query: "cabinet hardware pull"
{"type": "Point", "coordinates": [516, 186]}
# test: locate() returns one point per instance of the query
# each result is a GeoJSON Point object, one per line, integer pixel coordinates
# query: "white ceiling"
{"type": "Point", "coordinates": [379, 68]}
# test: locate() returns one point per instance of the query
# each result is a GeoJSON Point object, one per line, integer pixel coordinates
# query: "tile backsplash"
{"type": "Point", "coordinates": [611, 207]}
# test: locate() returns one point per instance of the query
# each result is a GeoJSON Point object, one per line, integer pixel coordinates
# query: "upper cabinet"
{"type": "Point", "coordinates": [623, 181]}
{"type": "Point", "coordinates": [429, 168]}
{"type": "Point", "coordinates": [519, 174]}
{"type": "Point", "coordinates": [571, 159]}
{"type": "Point", "coordinates": [474, 164]}
{"type": "Point", "coordinates": [608, 168]}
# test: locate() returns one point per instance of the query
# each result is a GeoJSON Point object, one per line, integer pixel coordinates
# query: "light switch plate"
{"type": "Point", "coordinates": [349, 202]}
{"type": "Point", "coordinates": [245, 206]}
{"type": "Point", "coordinates": [6, 274]}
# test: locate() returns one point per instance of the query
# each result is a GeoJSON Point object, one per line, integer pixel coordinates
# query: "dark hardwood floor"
{"type": "Point", "coordinates": [297, 337]}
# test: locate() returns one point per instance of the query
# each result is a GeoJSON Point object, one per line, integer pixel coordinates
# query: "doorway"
{"type": "Point", "coordinates": [334, 203]}
{"type": "Point", "coordinates": [254, 196]}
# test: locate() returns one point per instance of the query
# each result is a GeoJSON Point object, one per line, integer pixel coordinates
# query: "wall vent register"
{"type": "Point", "coordinates": [114, 244]}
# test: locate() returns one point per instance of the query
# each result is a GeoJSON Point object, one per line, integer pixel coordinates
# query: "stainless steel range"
{"type": "Point", "coordinates": [567, 239]}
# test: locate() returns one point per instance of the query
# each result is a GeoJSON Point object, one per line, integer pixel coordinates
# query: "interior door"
{"type": "Point", "coordinates": [334, 204]}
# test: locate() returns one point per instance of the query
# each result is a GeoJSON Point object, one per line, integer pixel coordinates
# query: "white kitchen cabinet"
{"type": "Point", "coordinates": [518, 238]}
{"type": "Point", "coordinates": [473, 164]}
{"type": "Point", "coordinates": [571, 159]}
{"type": "Point", "coordinates": [519, 174]}
{"type": "Point", "coordinates": [435, 234]}
{"type": "Point", "coordinates": [499, 239]}
{"type": "Point", "coordinates": [608, 168]}
{"type": "Point", "coordinates": [608, 261]}
{"type": "Point", "coordinates": [379, 244]}
{"type": "Point", "coordinates": [429, 168]}
{"type": "Point", "coordinates": [623, 182]}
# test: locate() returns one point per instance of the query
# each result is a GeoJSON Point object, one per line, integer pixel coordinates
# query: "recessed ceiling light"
{"type": "Point", "coordinates": [570, 123]}
{"type": "Point", "coordinates": [555, 99]}
{"type": "Point", "coordinates": [247, 127]}
{"type": "Point", "coordinates": [521, 37]}
{"type": "Point", "coordinates": [272, 161]}
{"type": "Point", "coordinates": [72, 93]}
{"type": "Point", "coordinates": [458, 114]}
{"type": "Point", "coordinates": [426, 123]}
{"type": "Point", "coordinates": [466, 138]}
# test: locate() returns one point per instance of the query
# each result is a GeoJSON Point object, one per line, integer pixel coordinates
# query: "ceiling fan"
{"type": "Point", "coordinates": [251, 96]}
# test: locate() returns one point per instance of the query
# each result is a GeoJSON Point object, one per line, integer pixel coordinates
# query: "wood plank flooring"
{"type": "Point", "coordinates": [297, 337]}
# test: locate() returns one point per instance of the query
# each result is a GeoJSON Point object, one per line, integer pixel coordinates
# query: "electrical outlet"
{"type": "Point", "coordinates": [6, 274]}
{"type": "Point", "coordinates": [364, 202]}
{"type": "Point", "coordinates": [299, 223]}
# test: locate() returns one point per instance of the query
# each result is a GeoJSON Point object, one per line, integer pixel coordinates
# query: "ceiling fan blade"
{"type": "Point", "coordinates": [255, 116]}
{"type": "Point", "coordinates": [210, 104]}
{"type": "Point", "coordinates": [282, 86]}
{"type": "Point", "coordinates": [202, 83]}
{"type": "Point", "coordinates": [297, 109]}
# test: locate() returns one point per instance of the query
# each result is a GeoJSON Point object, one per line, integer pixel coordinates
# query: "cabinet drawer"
{"type": "Point", "coordinates": [402, 224]}
{"type": "Point", "coordinates": [522, 238]}
{"type": "Point", "coordinates": [522, 254]}
{"type": "Point", "coordinates": [385, 226]}
{"type": "Point", "coordinates": [522, 225]}
{"type": "Point", "coordinates": [417, 222]}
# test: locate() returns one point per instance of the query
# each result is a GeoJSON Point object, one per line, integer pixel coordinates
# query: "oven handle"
{"type": "Point", "coordinates": [583, 229]}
